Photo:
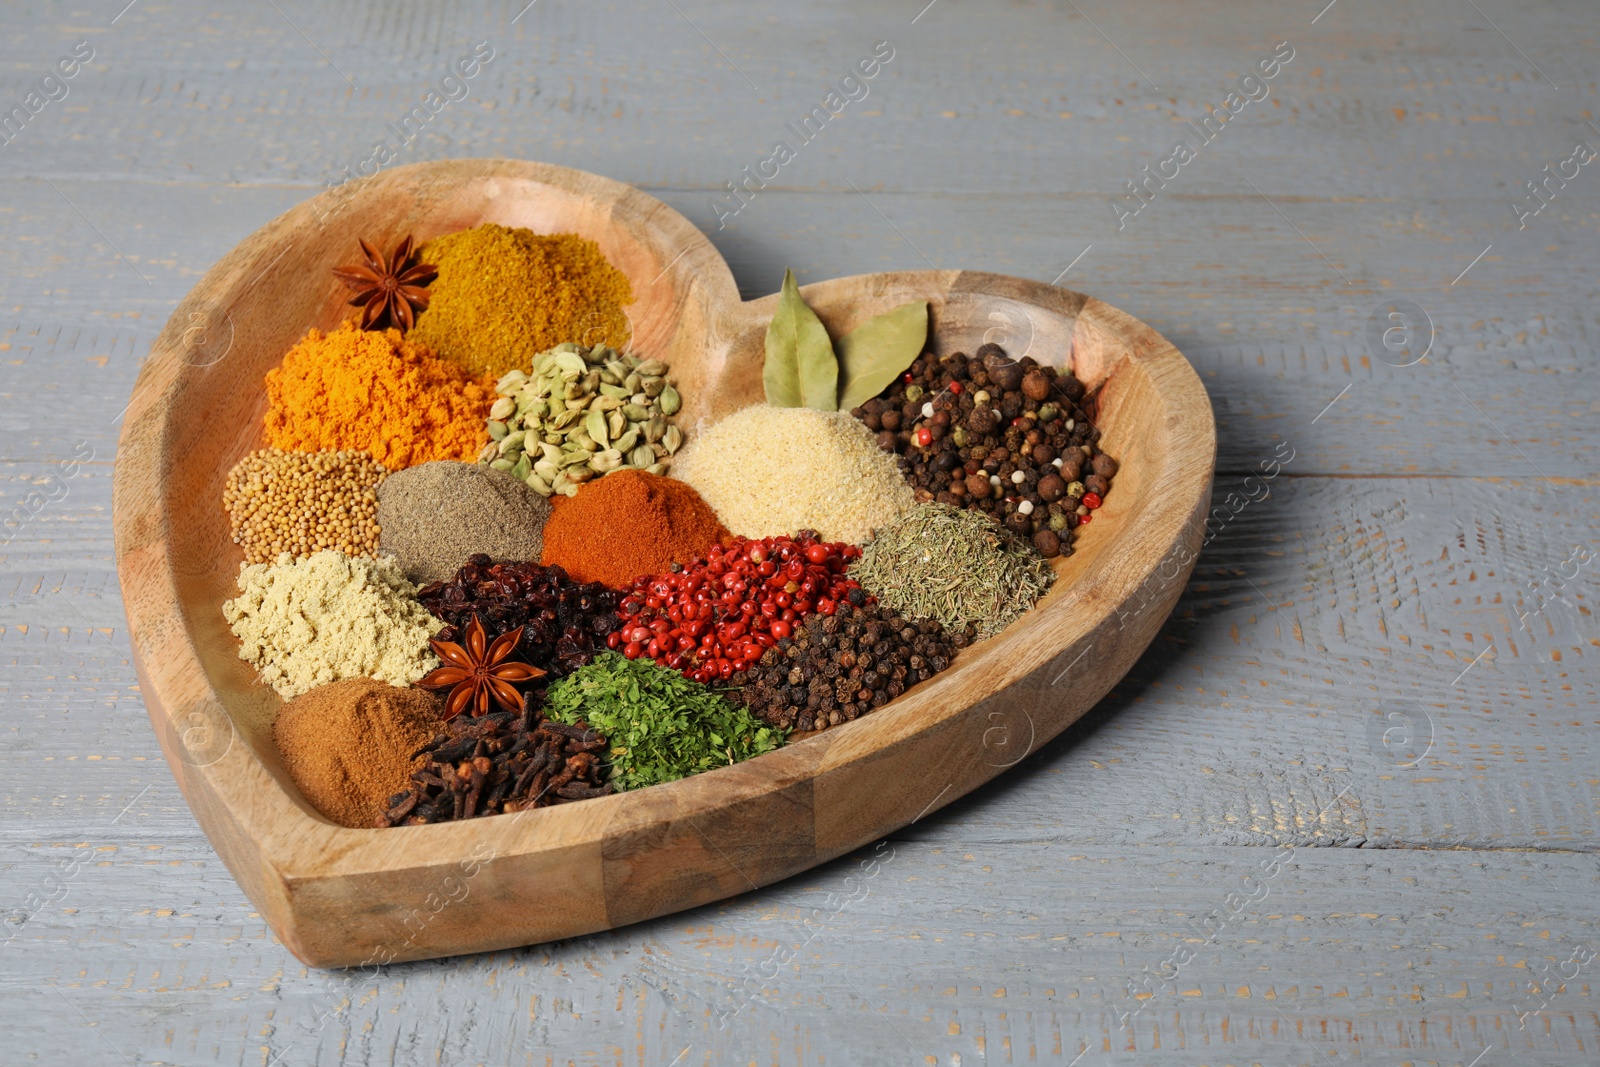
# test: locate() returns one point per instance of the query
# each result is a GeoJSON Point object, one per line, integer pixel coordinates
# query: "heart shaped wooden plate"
{"type": "Point", "coordinates": [343, 897]}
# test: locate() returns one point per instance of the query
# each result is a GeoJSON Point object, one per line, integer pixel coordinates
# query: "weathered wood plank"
{"type": "Point", "coordinates": [1023, 953]}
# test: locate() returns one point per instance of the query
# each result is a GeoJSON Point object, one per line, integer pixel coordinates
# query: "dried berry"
{"type": "Point", "coordinates": [564, 623]}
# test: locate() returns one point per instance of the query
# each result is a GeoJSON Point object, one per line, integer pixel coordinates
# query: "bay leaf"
{"type": "Point", "coordinates": [873, 354]}
{"type": "Point", "coordinates": [800, 368]}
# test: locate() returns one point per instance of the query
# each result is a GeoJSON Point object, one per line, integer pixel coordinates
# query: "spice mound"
{"type": "Point", "coordinates": [583, 413]}
{"type": "Point", "coordinates": [503, 294]}
{"type": "Point", "coordinates": [628, 524]}
{"type": "Point", "coordinates": [662, 726]}
{"type": "Point", "coordinates": [718, 615]}
{"type": "Point", "coordinates": [377, 393]}
{"type": "Point", "coordinates": [770, 471]}
{"type": "Point", "coordinates": [350, 745]}
{"type": "Point", "coordinates": [302, 503]}
{"type": "Point", "coordinates": [956, 566]}
{"type": "Point", "coordinates": [1002, 436]}
{"type": "Point", "coordinates": [304, 624]}
{"type": "Point", "coordinates": [563, 622]}
{"type": "Point", "coordinates": [436, 515]}
{"type": "Point", "coordinates": [502, 762]}
{"type": "Point", "coordinates": [837, 668]}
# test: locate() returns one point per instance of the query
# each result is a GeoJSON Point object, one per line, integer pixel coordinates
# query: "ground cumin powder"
{"type": "Point", "coordinates": [348, 745]}
{"type": "Point", "coordinates": [504, 295]}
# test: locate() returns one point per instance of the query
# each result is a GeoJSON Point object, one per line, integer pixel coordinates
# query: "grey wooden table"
{"type": "Point", "coordinates": [1345, 810]}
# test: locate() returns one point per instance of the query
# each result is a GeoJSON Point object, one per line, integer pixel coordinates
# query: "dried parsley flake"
{"type": "Point", "coordinates": [662, 725]}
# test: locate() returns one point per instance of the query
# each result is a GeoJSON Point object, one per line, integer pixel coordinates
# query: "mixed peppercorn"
{"type": "Point", "coordinates": [1006, 437]}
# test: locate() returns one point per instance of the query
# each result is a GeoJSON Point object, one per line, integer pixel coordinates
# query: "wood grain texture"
{"type": "Point", "coordinates": [992, 142]}
{"type": "Point", "coordinates": [341, 897]}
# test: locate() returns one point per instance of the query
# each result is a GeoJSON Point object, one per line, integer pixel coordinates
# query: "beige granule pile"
{"type": "Point", "coordinates": [769, 471]}
{"type": "Point", "coordinates": [330, 617]}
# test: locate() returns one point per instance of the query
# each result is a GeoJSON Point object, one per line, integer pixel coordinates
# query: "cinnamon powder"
{"type": "Point", "coordinates": [348, 745]}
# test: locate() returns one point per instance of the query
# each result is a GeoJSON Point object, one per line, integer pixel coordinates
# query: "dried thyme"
{"type": "Point", "coordinates": [956, 566]}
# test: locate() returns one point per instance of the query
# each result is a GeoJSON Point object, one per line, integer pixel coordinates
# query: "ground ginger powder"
{"type": "Point", "coordinates": [330, 617]}
{"type": "Point", "coordinates": [373, 391]}
{"type": "Point", "coordinates": [504, 295]}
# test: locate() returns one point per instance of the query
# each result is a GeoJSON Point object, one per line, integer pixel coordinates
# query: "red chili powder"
{"type": "Point", "coordinates": [627, 524]}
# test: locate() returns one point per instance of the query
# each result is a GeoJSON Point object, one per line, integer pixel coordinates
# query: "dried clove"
{"type": "Point", "coordinates": [502, 762]}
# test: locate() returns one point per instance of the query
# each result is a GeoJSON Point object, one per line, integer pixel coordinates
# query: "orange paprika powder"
{"type": "Point", "coordinates": [627, 524]}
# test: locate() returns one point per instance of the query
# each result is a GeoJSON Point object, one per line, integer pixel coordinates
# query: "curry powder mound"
{"type": "Point", "coordinates": [375, 392]}
{"type": "Point", "coordinates": [504, 295]}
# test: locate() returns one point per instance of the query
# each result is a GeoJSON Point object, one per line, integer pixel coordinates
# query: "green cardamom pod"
{"type": "Point", "coordinates": [625, 443]}
{"type": "Point", "coordinates": [497, 430]}
{"type": "Point", "coordinates": [595, 424]}
{"type": "Point", "coordinates": [502, 464]}
{"type": "Point", "coordinates": [634, 413]}
{"type": "Point", "coordinates": [538, 484]}
{"type": "Point", "coordinates": [522, 469]}
{"type": "Point", "coordinates": [616, 423]}
{"type": "Point", "coordinates": [642, 456]}
{"type": "Point", "coordinates": [614, 392]}
{"type": "Point", "coordinates": [546, 469]}
{"type": "Point", "coordinates": [652, 387]}
{"type": "Point", "coordinates": [502, 407]}
{"type": "Point", "coordinates": [651, 366]}
{"type": "Point", "coordinates": [512, 440]}
{"type": "Point", "coordinates": [490, 451]}
{"type": "Point", "coordinates": [657, 469]}
{"type": "Point", "coordinates": [655, 429]}
{"type": "Point", "coordinates": [672, 439]}
{"type": "Point", "coordinates": [633, 381]}
{"type": "Point", "coordinates": [669, 402]}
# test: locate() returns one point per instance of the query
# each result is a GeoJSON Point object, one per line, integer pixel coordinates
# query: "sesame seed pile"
{"type": "Point", "coordinates": [303, 503]}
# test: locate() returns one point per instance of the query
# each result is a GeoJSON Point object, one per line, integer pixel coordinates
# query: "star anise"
{"type": "Point", "coordinates": [477, 672]}
{"type": "Point", "coordinates": [388, 289]}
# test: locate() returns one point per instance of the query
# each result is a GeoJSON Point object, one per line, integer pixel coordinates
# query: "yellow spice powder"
{"type": "Point", "coordinates": [504, 295]}
{"type": "Point", "coordinates": [373, 391]}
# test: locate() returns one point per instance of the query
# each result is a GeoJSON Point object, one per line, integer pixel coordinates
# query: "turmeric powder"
{"type": "Point", "coordinates": [375, 392]}
{"type": "Point", "coordinates": [504, 295]}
